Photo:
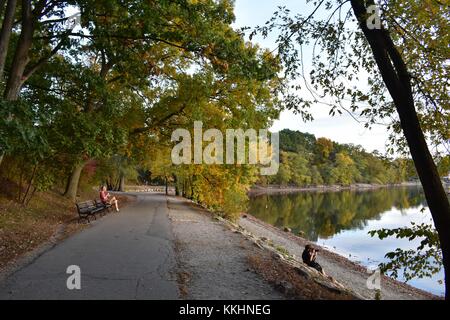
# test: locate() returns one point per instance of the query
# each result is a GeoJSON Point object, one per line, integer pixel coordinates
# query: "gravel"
{"type": "Point", "coordinates": [212, 259]}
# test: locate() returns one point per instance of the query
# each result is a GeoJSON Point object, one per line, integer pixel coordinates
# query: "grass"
{"type": "Point", "coordinates": [282, 250]}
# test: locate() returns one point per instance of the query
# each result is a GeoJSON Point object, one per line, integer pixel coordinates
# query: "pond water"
{"type": "Point", "coordinates": [340, 221]}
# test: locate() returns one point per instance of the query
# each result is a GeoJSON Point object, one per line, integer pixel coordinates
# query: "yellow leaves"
{"type": "Point", "coordinates": [431, 8]}
{"type": "Point", "coordinates": [346, 217]}
{"type": "Point", "coordinates": [325, 145]}
{"type": "Point", "coordinates": [343, 159]}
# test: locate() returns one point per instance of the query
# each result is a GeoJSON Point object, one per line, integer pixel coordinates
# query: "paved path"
{"type": "Point", "coordinates": [128, 255]}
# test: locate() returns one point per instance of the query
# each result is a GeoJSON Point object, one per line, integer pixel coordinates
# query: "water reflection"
{"type": "Point", "coordinates": [324, 214]}
{"type": "Point", "coordinates": [340, 221]}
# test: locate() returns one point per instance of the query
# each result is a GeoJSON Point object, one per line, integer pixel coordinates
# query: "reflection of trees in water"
{"type": "Point", "coordinates": [325, 214]}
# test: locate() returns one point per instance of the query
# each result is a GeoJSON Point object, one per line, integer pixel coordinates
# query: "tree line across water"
{"type": "Point", "coordinates": [306, 160]}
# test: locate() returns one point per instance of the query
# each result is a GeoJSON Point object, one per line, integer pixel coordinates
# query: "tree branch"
{"type": "Point", "coordinates": [160, 122]}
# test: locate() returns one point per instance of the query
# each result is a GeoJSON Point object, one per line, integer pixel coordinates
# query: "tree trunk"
{"type": "Point", "coordinates": [6, 33]}
{"type": "Point", "coordinates": [29, 185]}
{"type": "Point", "coordinates": [396, 77]}
{"type": "Point", "coordinates": [177, 184]}
{"type": "Point", "coordinates": [122, 183]}
{"type": "Point", "coordinates": [31, 196]}
{"type": "Point", "coordinates": [19, 195]}
{"type": "Point", "coordinates": [21, 58]}
{"type": "Point", "coordinates": [189, 192]}
{"type": "Point", "coordinates": [4, 42]}
{"type": "Point", "coordinates": [115, 185]}
{"type": "Point", "coordinates": [72, 184]}
{"type": "Point", "coordinates": [167, 186]}
{"type": "Point", "coordinates": [183, 191]}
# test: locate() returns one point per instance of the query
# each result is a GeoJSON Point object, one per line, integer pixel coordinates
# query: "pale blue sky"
{"type": "Point", "coordinates": [343, 128]}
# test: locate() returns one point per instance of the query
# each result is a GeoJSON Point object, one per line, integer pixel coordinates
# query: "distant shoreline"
{"type": "Point", "coordinates": [275, 189]}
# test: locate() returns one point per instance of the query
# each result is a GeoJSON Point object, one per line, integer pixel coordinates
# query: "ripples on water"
{"type": "Point", "coordinates": [341, 220]}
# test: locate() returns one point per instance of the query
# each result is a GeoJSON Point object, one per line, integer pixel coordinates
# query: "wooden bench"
{"type": "Point", "coordinates": [104, 206]}
{"type": "Point", "coordinates": [90, 208]}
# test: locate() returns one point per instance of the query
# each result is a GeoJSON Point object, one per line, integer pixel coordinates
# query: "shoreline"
{"type": "Point", "coordinates": [275, 189]}
{"type": "Point", "coordinates": [351, 274]}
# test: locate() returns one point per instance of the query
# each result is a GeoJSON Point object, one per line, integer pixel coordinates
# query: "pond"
{"type": "Point", "coordinates": [340, 221]}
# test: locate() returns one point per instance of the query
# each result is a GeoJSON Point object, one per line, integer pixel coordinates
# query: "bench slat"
{"type": "Point", "coordinates": [90, 208]}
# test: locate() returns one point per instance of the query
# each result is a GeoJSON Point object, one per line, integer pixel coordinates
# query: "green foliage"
{"type": "Point", "coordinates": [235, 202]}
{"type": "Point", "coordinates": [44, 180]}
{"type": "Point", "coordinates": [110, 171]}
{"type": "Point", "coordinates": [444, 166]}
{"type": "Point", "coordinates": [284, 174]}
{"type": "Point", "coordinates": [112, 91]}
{"type": "Point", "coordinates": [424, 261]}
{"type": "Point", "coordinates": [327, 58]}
{"type": "Point", "coordinates": [109, 94]}
{"type": "Point", "coordinates": [300, 169]}
{"type": "Point", "coordinates": [21, 133]}
{"type": "Point", "coordinates": [305, 160]}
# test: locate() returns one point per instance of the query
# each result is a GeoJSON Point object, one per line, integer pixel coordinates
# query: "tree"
{"type": "Point", "coordinates": [26, 62]}
{"type": "Point", "coordinates": [284, 174]}
{"type": "Point", "coordinates": [324, 149]}
{"type": "Point", "coordinates": [312, 161]}
{"type": "Point", "coordinates": [397, 78]}
{"type": "Point", "coordinates": [29, 54]}
{"type": "Point", "coordinates": [344, 171]}
{"type": "Point", "coordinates": [403, 56]}
{"type": "Point", "coordinates": [5, 33]}
{"type": "Point", "coordinates": [423, 262]}
{"type": "Point", "coordinates": [300, 169]}
{"type": "Point", "coordinates": [161, 166]}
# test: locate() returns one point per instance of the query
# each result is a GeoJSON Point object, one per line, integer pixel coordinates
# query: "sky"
{"type": "Point", "coordinates": [342, 129]}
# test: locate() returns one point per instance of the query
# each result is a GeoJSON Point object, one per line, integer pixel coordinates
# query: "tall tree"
{"type": "Point", "coordinates": [401, 53]}
{"type": "Point", "coordinates": [32, 20]}
{"type": "Point", "coordinates": [5, 33]}
{"type": "Point", "coordinates": [397, 79]}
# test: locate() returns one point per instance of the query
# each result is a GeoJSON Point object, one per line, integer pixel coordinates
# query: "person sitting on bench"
{"type": "Point", "coordinates": [105, 198]}
{"type": "Point", "coordinates": [309, 257]}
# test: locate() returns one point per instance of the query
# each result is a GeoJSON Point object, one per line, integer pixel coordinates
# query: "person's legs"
{"type": "Point", "coordinates": [116, 203]}
{"type": "Point", "coordinates": [316, 266]}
